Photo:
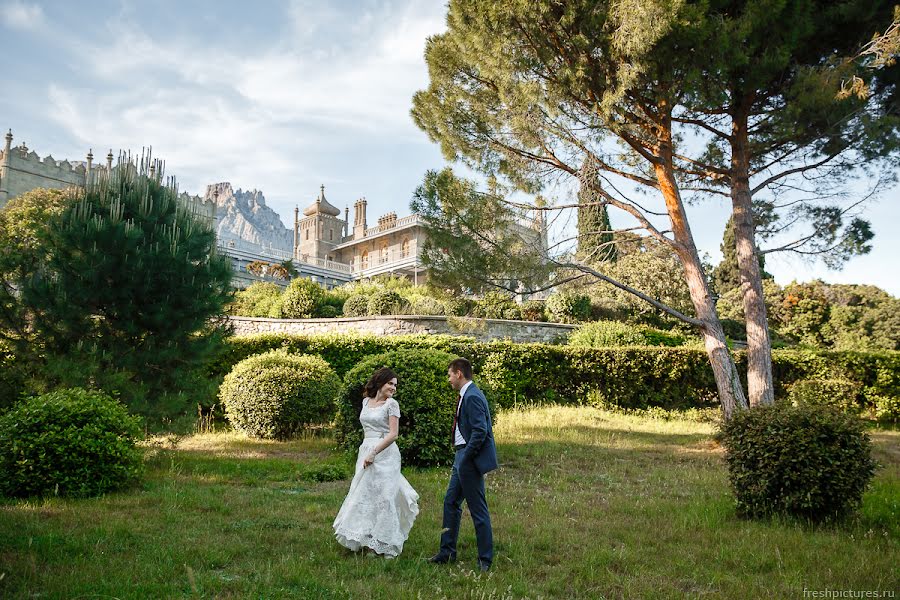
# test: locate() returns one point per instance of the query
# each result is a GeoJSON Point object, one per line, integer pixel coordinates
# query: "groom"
{"type": "Point", "coordinates": [476, 454]}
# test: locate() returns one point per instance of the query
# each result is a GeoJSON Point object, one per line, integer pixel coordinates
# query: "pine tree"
{"type": "Point", "coordinates": [132, 281]}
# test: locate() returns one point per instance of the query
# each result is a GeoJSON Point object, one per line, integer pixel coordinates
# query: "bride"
{"type": "Point", "coordinates": [381, 506]}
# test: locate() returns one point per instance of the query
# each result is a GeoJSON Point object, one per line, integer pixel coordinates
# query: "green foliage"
{"type": "Point", "coordinates": [356, 306]}
{"type": "Point", "coordinates": [836, 393]}
{"type": "Point", "coordinates": [426, 404]}
{"type": "Point", "coordinates": [569, 307]}
{"type": "Point", "coordinates": [600, 334]}
{"type": "Point", "coordinates": [496, 305]}
{"type": "Point", "coordinates": [425, 305]}
{"type": "Point", "coordinates": [595, 243]}
{"type": "Point", "coordinates": [276, 394]}
{"type": "Point", "coordinates": [629, 377]}
{"type": "Point", "coordinates": [125, 278]}
{"type": "Point", "coordinates": [726, 276]}
{"type": "Point", "coordinates": [327, 311]}
{"type": "Point", "coordinates": [804, 461]}
{"type": "Point", "coordinates": [302, 299]}
{"type": "Point", "coordinates": [259, 299]}
{"type": "Point", "coordinates": [12, 378]}
{"type": "Point", "coordinates": [71, 442]}
{"type": "Point", "coordinates": [650, 267]}
{"type": "Point", "coordinates": [386, 302]}
{"type": "Point", "coordinates": [534, 310]}
{"type": "Point", "coordinates": [475, 242]}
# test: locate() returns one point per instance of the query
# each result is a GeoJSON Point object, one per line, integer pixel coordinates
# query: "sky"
{"type": "Point", "coordinates": [278, 96]}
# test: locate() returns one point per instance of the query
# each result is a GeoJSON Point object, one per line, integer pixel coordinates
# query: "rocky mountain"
{"type": "Point", "coordinates": [244, 215]}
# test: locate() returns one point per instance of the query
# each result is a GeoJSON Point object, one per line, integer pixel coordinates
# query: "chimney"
{"type": "Point", "coordinates": [359, 223]}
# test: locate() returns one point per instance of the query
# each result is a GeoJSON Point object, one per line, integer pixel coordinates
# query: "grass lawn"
{"type": "Point", "coordinates": [587, 504]}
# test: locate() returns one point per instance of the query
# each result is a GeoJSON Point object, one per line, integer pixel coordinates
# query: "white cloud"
{"type": "Point", "coordinates": [21, 15]}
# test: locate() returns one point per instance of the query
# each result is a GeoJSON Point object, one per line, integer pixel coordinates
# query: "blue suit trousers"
{"type": "Point", "coordinates": [466, 483]}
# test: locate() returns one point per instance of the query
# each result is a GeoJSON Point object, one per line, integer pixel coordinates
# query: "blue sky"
{"type": "Point", "coordinates": [280, 96]}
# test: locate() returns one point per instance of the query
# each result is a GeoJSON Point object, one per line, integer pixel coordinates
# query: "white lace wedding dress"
{"type": "Point", "coordinates": [381, 506]}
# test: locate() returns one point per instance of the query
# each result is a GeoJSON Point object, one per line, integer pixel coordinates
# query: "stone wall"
{"type": "Point", "coordinates": [480, 329]}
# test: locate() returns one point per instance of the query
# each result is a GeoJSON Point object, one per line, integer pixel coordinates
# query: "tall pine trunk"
{"type": "Point", "coordinates": [759, 349]}
{"type": "Point", "coordinates": [728, 384]}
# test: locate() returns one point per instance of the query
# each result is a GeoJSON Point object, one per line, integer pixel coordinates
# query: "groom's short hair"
{"type": "Point", "coordinates": [463, 366]}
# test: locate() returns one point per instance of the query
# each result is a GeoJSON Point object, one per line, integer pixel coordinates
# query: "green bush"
{"type": "Point", "coordinates": [427, 404]}
{"type": "Point", "coordinates": [356, 306]}
{"type": "Point", "coordinates": [327, 311]}
{"type": "Point", "coordinates": [567, 307]}
{"type": "Point", "coordinates": [496, 305]}
{"type": "Point", "coordinates": [837, 393]}
{"type": "Point", "coordinates": [602, 334]}
{"type": "Point", "coordinates": [533, 310]}
{"type": "Point", "coordinates": [386, 302]}
{"type": "Point", "coordinates": [457, 307]}
{"type": "Point", "coordinates": [71, 442]}
{"type": "Point", "coordinates": [258, 299]}
{"type": "Point", "coordinates": [426, 305]}
{"type": "Point", "coordinates": [12, 379]}
{"type": "Point", "coordinates": [629, 377]}
{"type": "Point", "coordinates": [886, 409]}
{"type": "Point", "coordinates": [803, 461]}
{"type": "Point", "coordinates": [301, 299]}
{"type": "Point", "coordinates": [276, 394]}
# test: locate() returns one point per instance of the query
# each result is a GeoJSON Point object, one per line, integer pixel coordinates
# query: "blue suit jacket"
{"type": "Point", "coordinates": [475, 426]}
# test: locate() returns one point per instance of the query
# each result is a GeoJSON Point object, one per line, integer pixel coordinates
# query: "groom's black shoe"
{"type": "Point", "coordinates": [484, 567]}
{"type": "Point", "coordinates": [441, 559]}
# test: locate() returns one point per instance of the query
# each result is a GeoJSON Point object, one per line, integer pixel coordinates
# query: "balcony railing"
{"type": "Point", "coordinates": [408, 220]}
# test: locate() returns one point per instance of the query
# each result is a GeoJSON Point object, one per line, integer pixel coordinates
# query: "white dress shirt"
{"type": "Point", "coordinates": [460, 440]}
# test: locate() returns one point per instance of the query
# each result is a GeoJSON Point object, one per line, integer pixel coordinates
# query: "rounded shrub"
{"type": "Point", "coordinates": [427, 404]}
{"type": "Point", "coordinates": [811, 462]}
{"type": "Point", "coordinates": [603, 334]}
{"type": "Point", "coordinates": [497, 305]}
{"type": "Point", "coordinates": [567, 307]}
{"type": "Point", "coordinates": [327, 311]}
{"type": "Point", "coordinates": [533, 310]}
{"type": "Point", "coordinates": [71, 442]}
{"type": "Point", "coordinates": [425, 305]}
{"type": "Point", "coordinates": [301, 299]}
{"type": "Point", "coordinates": [276, 394]}
{"type": "Point", "coordinates": [356, 306]}
{"type": "Point", "coordinates": [386, 302]}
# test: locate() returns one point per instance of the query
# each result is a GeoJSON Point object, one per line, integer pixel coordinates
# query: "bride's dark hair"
{"type": "Point", "coordinates": [378, 379]}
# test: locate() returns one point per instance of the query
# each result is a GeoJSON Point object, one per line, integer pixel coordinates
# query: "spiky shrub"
{"type": "Point", "coordinates": [71, 442]}
{"type": "Point", "coordinates": [426, 404]}
{"type": "Point", "coordinates": [812, 462]}
{"type": "Point", "coordinates": [356, 306]}
{"type": "Point", "coordinates": [276, 394]}
{"type": "Point", "coordinates": [301, 299]}
{"type": "Point", "coordinates": [131, 281]}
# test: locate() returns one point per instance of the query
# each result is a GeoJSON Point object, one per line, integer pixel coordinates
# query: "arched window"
{"type": "Point", "coordinates": [330, 235]}
{"type": "Point", "coordinates": [404, 248]}
{"type": "Point", "coordinates": [384, 252]}
{"type": "Point", "coordinates": [364, 260]}
{"type": "Point", "coordinates": [307, 234]}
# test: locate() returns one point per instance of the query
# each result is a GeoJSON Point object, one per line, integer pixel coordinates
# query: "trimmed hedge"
{"type": "Point", "coordinates": [602, 334]}
{"type": "Point", "coordinates": [427, 403]}
{"type": "Point", "coordinates": [71, 442]}
{"type": "Point", "coordinates": [629, 377]}
{"type": "Point", "coordinates": [806, 461]}
{"type": "Point", "coordinates": [275, 394]}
